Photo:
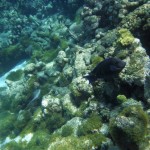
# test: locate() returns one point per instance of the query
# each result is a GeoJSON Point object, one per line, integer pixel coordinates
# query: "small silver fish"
{"type": "Point", "coordinates": [36, 94]}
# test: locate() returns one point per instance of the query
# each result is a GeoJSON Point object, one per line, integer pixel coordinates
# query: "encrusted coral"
{"type": "Point", "coordinates": [136, 18]}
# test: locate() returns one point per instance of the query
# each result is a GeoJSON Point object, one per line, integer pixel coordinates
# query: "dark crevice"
{"type": "Point", "coordinates": [132, 91]}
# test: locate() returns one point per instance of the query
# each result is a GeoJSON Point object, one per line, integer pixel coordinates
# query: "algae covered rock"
{"type": "Point", "coordinates": [129, 128]}
{"type": "Point", "coordinates": [137, 18]}
{"type": "Point", "coordinates": [135, 65]}
{"type": "Point", "coordinates": [52, 71]}
{"type": "Point", "coordinates": [93, 123]}
{"type": "Point", "coordinates": [15, 75]}
{"type": "Point", "coordinates": [80, 89]}
{"type": "Point", "coordinates": [30, 68]}
{"type": "Point", "coordinates": [40, 140]}
{"type": "Point", "coordinates": [21, 121]}
{"type": "Point", "coordinates": [70, 128]}
{"type": "Point", "coordinates": [106, 91]}
{"type": "Point", "coordinates": [71, 143]}
{"type": "Point", "coordinates": [90, 128]}
{"type": "Point", "coordinates": [6, 126]}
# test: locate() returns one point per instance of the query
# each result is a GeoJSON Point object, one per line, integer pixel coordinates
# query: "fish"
{"type": "Point", "coordinates": [36, 95]}
{"type": "Point", "coordinates": [108, 69]}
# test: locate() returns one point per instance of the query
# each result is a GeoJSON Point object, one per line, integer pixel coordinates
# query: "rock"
{"type": "Point", "coordinates": [74, 123]}
{"type": "Point", "coordinates": [30, 68]}
{"type": "Point", "coordinates": [61, 59]}
{"type": "Point", "coordinates": [51, 104]}
{"type": "Point", "coordinates": [135, 64]}
{"type": "Point", "coordinates": [80, 89]}
{"type": "Point", "coordinates": [68, 106]}
{"type": "Point", "coordinates": [137, 18]}
{"type": "Point", "coordinates": [131, 123]}
{"type": "Point", "coordinates": [51, 69]}
{"type": "Point", "coordinates": [82, 59]}
{"type": "Point", "coordinates": [91, 22]}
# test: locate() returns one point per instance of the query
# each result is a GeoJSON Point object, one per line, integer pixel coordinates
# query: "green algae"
{"type": "Point", "coordinates": [95, 60]}
{"type": "Point", "coordinates": [15, 75]}
{"type": "Point", "coordinates": [64, 80]}
{"type": "Point", "coordinates": [49, 55]}
{"type": "Point", "coordinates": [92, 123]}
{"type": "Point", "coordinates": [32, 122]}
{"type": "Point", "coordinates": [11, 50]}
{"type": "Point", "coordinates": [90, 129]}
{"type": "Point", "coordinates": [6, 126]}
{"type": "Point", "coordinates": [13, 146]}
{"type": "Point", "coordinates": [55, 121]}
{"type": "Point", "coordinates": [80, 111]}
{"type": "Point", "coordinates": [45, 56]}
{"type": "Point", "coordinates": [66, 131]}
{"type": "Point", "coordinates": [121, 99]}
{"type": "Point", "coordinates": [109, 38]}
{"type": "Point", "coordinates": [39, 141]}
{"type": "Point", "coordinates": [97, 139]}
{"type": "Point", "coordinates": [71, 143]}
{"type": "Point", "coordinates": [132, 125]}
{"type": "Point", "coordinates": [63, 44]}
{"type": "Point", "coordinates": [24, 98]}
{"type": "Point", "coordinates": [59, 42]}
{"type": "Point", "coordinates": [125, 37]}
{"type": "Point", "coordinates": [22, 120]}
{"type": "Point", "coordinates": [45, 88]}
{"type": "Point", "coordinates": [10, 56]}
{"type": "Point", "coordinates": [122, 54]}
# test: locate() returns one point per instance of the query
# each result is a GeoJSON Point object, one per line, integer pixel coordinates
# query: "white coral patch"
{"type": "Point", "coordinates": [45, 102]}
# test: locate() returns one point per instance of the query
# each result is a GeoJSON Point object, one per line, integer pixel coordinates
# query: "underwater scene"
{"type": "Point", "coordinates": [74, 75]}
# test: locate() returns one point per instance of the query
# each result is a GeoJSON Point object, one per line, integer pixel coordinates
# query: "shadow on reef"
{"type": "Point", "coordinates": [134, 91]}
{"type": "Point", "coordinates": [144, 36]}
{"type": "Point", "coordinates": [109, 90]}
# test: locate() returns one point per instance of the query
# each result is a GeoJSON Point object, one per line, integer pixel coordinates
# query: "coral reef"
{"type": "Point", "coordinates": [48, 48]}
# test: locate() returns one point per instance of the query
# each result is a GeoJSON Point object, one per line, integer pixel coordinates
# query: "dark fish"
{"type": "Point", "coordinates": [107, 69]}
